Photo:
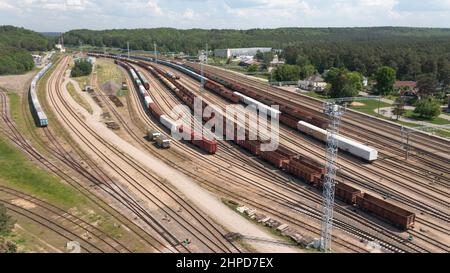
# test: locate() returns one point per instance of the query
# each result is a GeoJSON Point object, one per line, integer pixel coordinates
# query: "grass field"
{"type": "Point", "coordinates": [19, 173]}
{"type": "Point", "coordinates": [313, 94]}
{"type": "Point", "coordinates": [82, 81]}
{"type": "Point", "coordinates": [370, 106]}
{"type": "Point", "coordinates": [437, 120]}
{"type": "Point", "coordinates": [79, 99]}
{"type": "Point", "coordinates": [106, 71]}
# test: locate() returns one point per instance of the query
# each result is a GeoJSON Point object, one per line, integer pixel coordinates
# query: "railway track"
{"type": "Point", "coordinates": [289, 136]}
{"type": "Point", "coordinates": [394, 173]}
{"type": "Point", "coordinates": [195, 213]}
{"type": "Point", "coordinates": [318, 216]}
{"type": "Point", "coordinates": [237, 180]}
{"type": "Point", "coordinates": [17, 138]}
{"type": "Point", "coordinates": [65, 111]}
{"type": "Point", "coordinates": [423, 143]}
{"type": "Point", "coordinates": [64, 223]}
{"type": "Point", "coordinates": [157, 202]}
{"type": "Point", "coordinates": [202, 94]}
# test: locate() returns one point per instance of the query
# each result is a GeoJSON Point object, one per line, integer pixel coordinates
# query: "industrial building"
{"type": "Point", "coordinates": [237, 52]}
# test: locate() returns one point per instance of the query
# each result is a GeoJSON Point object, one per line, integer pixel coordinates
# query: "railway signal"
{"type": "Point", "coordinates": [203, 58]}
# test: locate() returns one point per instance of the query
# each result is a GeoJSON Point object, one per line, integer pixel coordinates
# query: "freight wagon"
{"type": "Point", "coordinates": [301, 167]}
{"type": "Point", "coordinates": [384, 210]}
{"type": "Point", "coordinates": [274, 113]}
{"type": "Point", "coordinates": [39, 115]}
{"type": "Point", "coordinates": [345, 144]}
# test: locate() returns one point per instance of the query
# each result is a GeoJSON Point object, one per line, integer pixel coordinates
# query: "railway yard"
{"type": "Point", "coordinates": [214, 195]}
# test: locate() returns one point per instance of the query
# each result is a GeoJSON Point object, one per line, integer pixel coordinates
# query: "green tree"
{"type": "Point", "coordinates": [428, 108]}
{"type": "Point", "coordinates": [252, 68]}
{"type": "Point", "coordinates": [82, 68]}
{"type": "Point", "coordinates": [259, 55]}
{"type": "Point", "coordinates": [344, 83]}
{"type": "Point", "coordinates": [307, 71]}
{"type": "Point", "coordinates": [385, 78]}
{"type": "Point", "coordinates": [427, 84]}
{"type": "Point", "coordinates": [287, 73]}
{"type": "Point", "coordinates": [6, 222]}
{"type": "Point", "coordinates": [302, 60]}
{"type": "Point", "coordinates": [399, 108]}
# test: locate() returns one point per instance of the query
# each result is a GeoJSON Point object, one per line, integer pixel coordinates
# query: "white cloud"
{"type": "Point", "coordinates": [154, 7]}
{"type": "Point", "coordinates": [188, 14]}
{"type": "Point", "coordinates": [47, 15]}
{"type": "Point", "coordinates": [5, 5]}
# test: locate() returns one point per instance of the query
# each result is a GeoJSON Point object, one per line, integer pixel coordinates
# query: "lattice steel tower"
{"type": "Point", "coordinates": [335, 113]}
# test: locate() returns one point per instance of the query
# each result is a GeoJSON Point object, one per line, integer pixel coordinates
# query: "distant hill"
{"type": "Point", "coordinates": [22, 38]}
{"type": "Point", "coordinates": [50, 34]}
{"type": "Point", "coordinates": [15, 44]}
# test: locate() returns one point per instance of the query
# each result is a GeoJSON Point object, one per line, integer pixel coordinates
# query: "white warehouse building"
{"type": "Point", "coordinates": [237, 52]}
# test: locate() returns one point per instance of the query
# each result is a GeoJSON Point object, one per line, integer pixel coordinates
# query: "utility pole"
{"type": "Point", "coordinates": [334, 111]}
{"type": "Point", "coordinates": [407, 131]}
{"type": "Point", "coordinates": [202, 88]}
{"type": "Point", "coordinates": [128, 49]}
{"type": "Point", "coordinates": [156, 56]}
{"type": "Point", "coordinates": [81, 46]}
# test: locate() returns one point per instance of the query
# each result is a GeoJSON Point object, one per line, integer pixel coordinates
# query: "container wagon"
{"type": "Point", "coordinates": [274, 113]}
{"type": "Point", "coordinates": [355, 148]}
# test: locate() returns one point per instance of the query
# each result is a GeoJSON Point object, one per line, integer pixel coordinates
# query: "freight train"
{"type": "Point", "coordinates": [38, 114]}
{"type": "Point", "coordinates": [291, 119]}
{"type": "Point", "coordinates": [298, 166]}
{"type": "Point", "coordinates": [209, 146]}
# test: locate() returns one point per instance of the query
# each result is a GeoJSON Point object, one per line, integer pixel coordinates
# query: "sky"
{"type": "Point", "coordinates": [64, 15]}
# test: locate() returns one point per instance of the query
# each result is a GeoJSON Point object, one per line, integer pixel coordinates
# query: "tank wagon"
{"type": "Point", "coordinates": [38, 114]}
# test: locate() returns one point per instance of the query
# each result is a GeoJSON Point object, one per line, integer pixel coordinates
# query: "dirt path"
{"type": "Point", "coordinates": [204, 200]}
{"type": "Point", "coordinates": [17, 82]}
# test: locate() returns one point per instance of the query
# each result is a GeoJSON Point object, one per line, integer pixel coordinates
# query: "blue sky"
{"type": "Point", "coordinates": [63, 15]}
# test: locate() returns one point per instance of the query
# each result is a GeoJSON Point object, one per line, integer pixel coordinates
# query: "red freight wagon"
{"type": "Point", "coordinates": [155, 110]}
{"type": "Point", "coordinates": [301, 171]}
{"type": "Point", "coordinates": [346, 193]}
{"type": "Point", "coordinates": [230, 95]}
{"type": "Point", "coordinates": [289, 121]}
{"type": "Point", "coordinates": [209, 146]}
{"type": "Point", "coordinates": [252, 145]}
{"type": "Point", "coordinates": [387, 211]}
{"type": "Point", "coordinates": [287, 153]}
{"type": "Point", "coordinates": [311, 164]}
{"type": "Point", "coordinates": [275, 158]}
{"type": "Point", "coordinates": [319, 122]}
{"type": "Point", "coordinates": [213, 86]}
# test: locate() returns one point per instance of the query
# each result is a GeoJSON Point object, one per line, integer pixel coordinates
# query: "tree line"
{"type": "Point", "coordinates": [410, 51]}
{"type": "Point", "coordinates": [15, 46]}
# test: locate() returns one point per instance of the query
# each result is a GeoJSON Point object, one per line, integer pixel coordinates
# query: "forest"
{"type": "Point", "coordinates": [410, 51]}
{"type": "Point", "coordinates": [15, 46]}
